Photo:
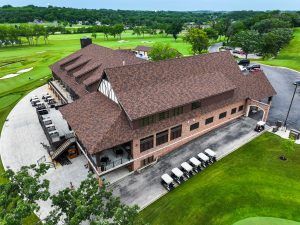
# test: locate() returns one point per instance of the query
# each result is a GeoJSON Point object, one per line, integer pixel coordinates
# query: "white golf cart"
{"type": "Point", "coordinates": [211, 154]}
{"type": "Point", "coordinates": [167, 182]}
{"type": "Point", "coordinates": [177, 175]}
{"type": "Point", "coordinates": [260, 126]}
{"type": "Point", "coordinates": [187, 168]}
{"type": "Point", "coordinates": [204, 159]}
{"type": "Point", "coordinates": [196, 164]}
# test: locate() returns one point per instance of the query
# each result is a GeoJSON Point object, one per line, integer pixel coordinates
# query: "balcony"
{"type": "Point", "coordinates": [60, 91]}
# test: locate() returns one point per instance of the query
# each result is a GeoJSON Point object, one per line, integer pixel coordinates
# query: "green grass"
{"type": "Point", "coordinates": [288, 56]}
{"type": "Point", "coordinates": [251, 182]}
{"type": "Point", "coordinates": [265, 221]}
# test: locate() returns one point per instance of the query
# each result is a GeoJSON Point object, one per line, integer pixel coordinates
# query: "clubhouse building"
{"type": "Point", "coordinates": [126, 111]}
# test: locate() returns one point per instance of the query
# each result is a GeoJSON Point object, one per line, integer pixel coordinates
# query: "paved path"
{"type": "Point", "coordinates": [144, 188]}
{"type": "Point", "coordinates": [20, 144]}
{"type": "Point", "coordinates": [282, 80]}
{"type": "Point", "coordinates": [215, 47]}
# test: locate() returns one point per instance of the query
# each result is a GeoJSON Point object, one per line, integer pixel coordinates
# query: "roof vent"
{"type": "Point", "coordinates": [85, 42]}
{"type": "Point", "coordinates": [124, 63]}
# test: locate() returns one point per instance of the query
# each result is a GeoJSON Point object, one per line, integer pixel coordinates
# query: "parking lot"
{"type": "Point", "coordinates": [145, 187]}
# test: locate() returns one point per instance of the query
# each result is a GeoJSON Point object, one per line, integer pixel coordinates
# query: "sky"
{"type": "Point", "coordinates": [178, 5]}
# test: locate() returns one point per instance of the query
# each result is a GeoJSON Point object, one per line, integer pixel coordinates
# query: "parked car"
{"type": "Point", "coordinates": [204, 159]}
{"type": "Point", "coordinates": [211, 154]}
{"type": "Point", "coordinates": [187, 168]}
{"type": "Point", "coordinates": [177, 175]}
{"type": "Point", "coordinates": [253, 67]}
{"type": "Point", "coordinates": [244, 62]}
{"type": "Point", "coordinates": [167, 182]}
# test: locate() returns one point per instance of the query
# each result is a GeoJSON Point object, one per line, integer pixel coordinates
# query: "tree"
{"type": "Point", "coordinates": [267, 25]}
{"type": "Point", "coordinates": [174, 29]}
{"type": "Point", "coordinates": [161, 51]}
{"type": "Point", "coordinates": [248, 40]}
{"type": "Point", "coordinates": [233, 29]}
{"type": "Point", "coordinates": [19, 194]}
{"type": "Point", "coordinates": [119, 29]}
{"type": "Point", "coordinates": [94, 35]}
{"type": "Point", "coordinates": [273, 41]}
{"type": "Point", "coordinates": [211, 33]}
{"type": "Point", "coordinates": [92, 203]}
{"type": "Point", "coordinates": [198, 39]}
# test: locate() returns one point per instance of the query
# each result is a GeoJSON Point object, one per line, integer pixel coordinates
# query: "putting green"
{"type": "Point", "coordinates": [266, 221]}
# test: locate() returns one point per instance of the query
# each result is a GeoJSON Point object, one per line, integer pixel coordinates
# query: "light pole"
{"type": "Point", "coordinates": [296, 83]}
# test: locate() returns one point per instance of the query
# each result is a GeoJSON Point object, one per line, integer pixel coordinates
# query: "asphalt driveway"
{"type": "Point", "coordinates": [144, 188]}
{"type": "Point", "coordinates": [282, 80]}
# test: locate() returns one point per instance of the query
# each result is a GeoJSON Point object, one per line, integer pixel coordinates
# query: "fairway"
{"type": "Point", "coordinates": [289, 56]}
{"type": "Point", "coordinates": [251, 182]}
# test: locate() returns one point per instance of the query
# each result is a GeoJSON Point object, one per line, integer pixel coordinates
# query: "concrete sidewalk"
{"type": "Point", "coordinates": [144, 188]}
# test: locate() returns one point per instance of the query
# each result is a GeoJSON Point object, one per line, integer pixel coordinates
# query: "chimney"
{"type": "Point", "coordinates": [85, 42]}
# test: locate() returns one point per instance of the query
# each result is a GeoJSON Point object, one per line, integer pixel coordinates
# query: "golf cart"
{"type": "Point", "coordinates": [177, 175]}
{"type": "Point", "coordinates": [260, 126]}
{"type": "Point", "coordinates": [211, 154]}
{"type": "Point", "coordinates": [187, 168]}
{"type": "Point", "coordinates": [167, 182]}
{"type": "Point", "coordinates": [204, 159]}
{"type": "Point", "coordinates": [196, 164]}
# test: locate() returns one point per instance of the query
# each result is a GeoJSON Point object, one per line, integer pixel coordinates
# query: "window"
{"type": "Point", "coordinates": [222, 115]}
{"type": "Point", "coordinates": [163, 115]}
{"type": "Point", "coordinates": [147, 120]}
{"type": "Point", "coordinates": [241, 108]}
{"type": "Point", "coordinates": [162, 137]}
{"type": "Point", "coordinates": [177, 111]}
{"type": "Point", "coordinates": [196, 105]}
{"type": "Point", "coordinates": [146, 143]}
{"type": "Point", "coordinates": [176, 132]}
{"type": "Point", "coordinates": [147, 161]}
{"type": "Point", "coordinates": [209, 120]}
{"type": "Point", "coordinates": [233, 111]}
{"type": "Point", "coordinates": [194, 126]}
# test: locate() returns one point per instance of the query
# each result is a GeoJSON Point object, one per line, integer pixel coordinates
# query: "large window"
{"type": "Point", "coordinates": [233, 111]}
{"type": "Point", "coordinates": [209, 120]}
{"type": "Point", "coordinates": [147, 120]}
{"type": "Point", "coordinates": [147, 161]}
{"type": "Point", "coordinates": [146, 143]}
{"type": "Point", "coordinates": [194, 126]}
{"type": "Point", "coordinates": [241, 108]}
{"type": "Point", "coordinates": [176, 132]}
{"type": "Point", "coordinates": [162, 137]}
{"type": "Point", "coordinates": [222, 115]}
{"type": "Point", "coordinates": [196, 105]}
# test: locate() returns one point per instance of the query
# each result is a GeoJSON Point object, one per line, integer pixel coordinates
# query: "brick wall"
{"type": "Point", "coordinates": [187, 135]}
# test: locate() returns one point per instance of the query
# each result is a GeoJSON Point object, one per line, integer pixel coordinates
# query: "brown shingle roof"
{"type": "Point", "coordinates": [93, 58]}
{"type": "Point", "coordinates": [145, 89]}
{"type": "Point", "coordinates": [142, 48]}
{"type": "Point", "coordinates": [100, 123]}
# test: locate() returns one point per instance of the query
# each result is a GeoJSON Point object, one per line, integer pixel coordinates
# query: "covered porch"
{"type": "Point", "coordinates": [113, 158]}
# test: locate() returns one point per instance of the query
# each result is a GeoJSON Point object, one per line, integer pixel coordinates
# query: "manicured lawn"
{"type": "Point", "coordinates": [289, 56]}
{"type": "Point", "coordinates": [251, 182]}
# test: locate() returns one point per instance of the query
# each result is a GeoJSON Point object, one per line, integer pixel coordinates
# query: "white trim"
{"type": "Point", "coordinates": [259, 102]}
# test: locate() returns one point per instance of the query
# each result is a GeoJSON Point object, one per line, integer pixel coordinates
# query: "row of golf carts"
{"type": "Point", "coordinates": [188, 169]}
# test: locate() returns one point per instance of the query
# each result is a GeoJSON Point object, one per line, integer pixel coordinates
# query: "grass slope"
{"type": "Point", "coordinates": [250, 182]}
{"type": "Point", "coordinates": [288, 56]}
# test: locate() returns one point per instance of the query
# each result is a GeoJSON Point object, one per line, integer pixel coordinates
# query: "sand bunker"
{"type": "Point", "coordinates": [122, 41]}
{"type": "Point", "coordinates": [16, 74]}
